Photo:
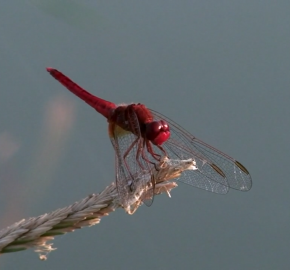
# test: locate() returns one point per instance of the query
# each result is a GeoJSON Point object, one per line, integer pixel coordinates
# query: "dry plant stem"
{"type": "Point", "coordinates": [36, 232]}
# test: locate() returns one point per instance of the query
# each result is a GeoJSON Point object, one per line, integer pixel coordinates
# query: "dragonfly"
{"type": "Point", "coordinates": [142, 137]}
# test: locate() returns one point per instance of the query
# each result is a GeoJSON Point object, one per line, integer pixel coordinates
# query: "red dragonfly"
{"type": "Point", "coordinates": [141, 137]}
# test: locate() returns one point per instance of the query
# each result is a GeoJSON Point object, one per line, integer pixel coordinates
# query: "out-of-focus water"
{"type": "Point", "coordinates": [218, 68]}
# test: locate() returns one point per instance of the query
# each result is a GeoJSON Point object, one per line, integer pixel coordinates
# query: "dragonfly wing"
{"type": "Point", "coordinates": [215, 172]}
{"type": "Point", "coordinates": [205, 177]}
{"type": "Point", "coordinates": [133, 173]}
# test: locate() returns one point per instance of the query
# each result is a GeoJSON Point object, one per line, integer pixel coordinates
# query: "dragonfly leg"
{"type": "Point", "coordinates": [150, 150]}
{"type": "Point", "coordinates": [162, 150]}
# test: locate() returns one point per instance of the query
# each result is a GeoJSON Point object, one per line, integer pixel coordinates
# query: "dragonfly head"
{"type": "Point", "coordinates": [157, 132]}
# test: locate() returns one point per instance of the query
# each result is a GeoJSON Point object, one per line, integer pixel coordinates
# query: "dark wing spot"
{"type": "Point", "coordinates": [242, 167]}
{"type": "Point", "coordinates": [218, 170]}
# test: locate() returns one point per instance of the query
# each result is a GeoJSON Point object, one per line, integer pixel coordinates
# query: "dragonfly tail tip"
{"type": "Point", "coordinates": [49, 69]}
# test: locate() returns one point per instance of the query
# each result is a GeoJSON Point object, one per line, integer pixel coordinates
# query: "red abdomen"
{"type": "Point", "coordinates": [100, 105]}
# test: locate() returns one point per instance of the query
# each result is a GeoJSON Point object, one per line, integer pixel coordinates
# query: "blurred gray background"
{"type": "Point", "coordinates": [218, 68]}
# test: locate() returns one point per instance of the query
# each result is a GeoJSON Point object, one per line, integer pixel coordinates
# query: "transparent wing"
{"type": "Point", "coordinates": [217, 172]}
{"type": "Point", "coordinates": [130, 166]}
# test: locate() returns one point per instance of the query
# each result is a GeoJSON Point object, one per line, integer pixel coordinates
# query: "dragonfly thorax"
{"type": "Point", "coordinates": [157, 132]}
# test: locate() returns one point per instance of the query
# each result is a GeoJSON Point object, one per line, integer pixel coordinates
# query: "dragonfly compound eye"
{"type": "Point", "coordinates": [157, 132]}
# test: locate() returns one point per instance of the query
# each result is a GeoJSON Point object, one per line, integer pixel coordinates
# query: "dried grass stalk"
{"type": "Point", "coordinates": [36, 232]}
